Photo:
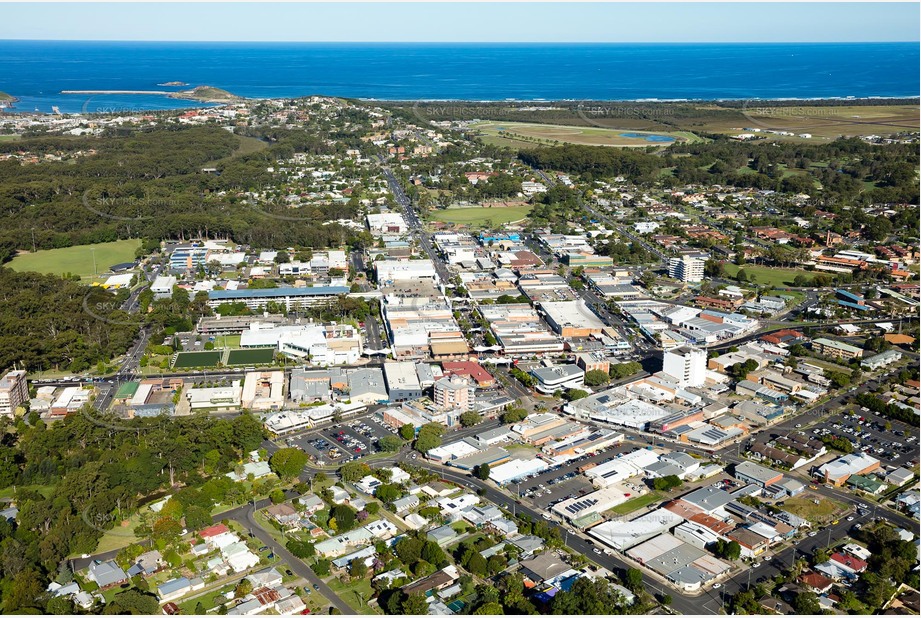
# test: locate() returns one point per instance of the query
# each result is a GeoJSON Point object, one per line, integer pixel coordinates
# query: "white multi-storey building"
{"type": "Point", "coordinates": [686, 364]}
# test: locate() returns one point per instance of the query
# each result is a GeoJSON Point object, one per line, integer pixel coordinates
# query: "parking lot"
{"type": "Point", "coordinates": [867, 432]}
{"type": "Point", "coordinates": [343, 442]}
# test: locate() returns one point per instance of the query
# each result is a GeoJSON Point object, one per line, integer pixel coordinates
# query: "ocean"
{"type": "Point", "coordinates": [37, 71]}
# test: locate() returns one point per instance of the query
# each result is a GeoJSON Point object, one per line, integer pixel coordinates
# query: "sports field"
{"type": "Point", "coordinates": [481, 216]}
{"type": "Point", "coordinates": [188, 360]}
{"type": "Point", "coordinates": [259, 356]}
{"type": "Point", "coordinates": [764, 275]}
{"type": "Point", "coordinates": [77, 260]}
{"type": "Point", "coordinates": [525, 132]}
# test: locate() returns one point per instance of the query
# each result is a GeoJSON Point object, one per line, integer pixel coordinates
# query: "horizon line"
{"type": "Point", "coordinates": [5, 40]}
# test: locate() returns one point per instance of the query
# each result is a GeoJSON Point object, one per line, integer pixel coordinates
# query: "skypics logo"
{"type": "Point", "coordinates": [593, 113]}
{"type": "Point", "coordinates": [114, 110]}
{"type": "Point", "coordinates": [115, 207]}
{"type": "Point", "coordinates": [784, 119]}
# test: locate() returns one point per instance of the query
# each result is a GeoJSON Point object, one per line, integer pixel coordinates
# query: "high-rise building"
{"type": "Point", "coordinates": [455, 392]}
{"type": "Point", "coordinates": [687, 365]}
{"type": "Point", "coordinates": [14, 391]}
{"type": "Point", "coordinates": [688, 268]}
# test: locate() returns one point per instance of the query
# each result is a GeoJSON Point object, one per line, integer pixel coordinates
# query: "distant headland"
{"type": "Point", "coordinates": [204, 94]}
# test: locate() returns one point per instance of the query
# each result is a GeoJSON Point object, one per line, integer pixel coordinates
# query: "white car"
{"type": "Point", "coordinates": [717, 586]}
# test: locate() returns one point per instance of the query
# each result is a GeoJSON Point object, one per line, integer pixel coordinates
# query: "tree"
{"type": "Point", "coordinates": [133, 602]}
{"type": "Point", "coordinates": [513, 415]}
{"type": "Point", "coordinates": [288, 462]}
{"type": "Point", "coordinates": [358, 568]}
{"type": "Point", "coordinates": [633, 580]}
{"type": "Point", "coordinates": [387, 493]}
{"type": "Point", "coordinates": [197, 517]}
{"type": "Point", "coordinates": [354, 471]}
{"type": "Point", "coordinates": [477, 564]}
{"type": "Point", "coordinates": [59, 606]}
{"type": "Point", "coordinates": [344, 516]}
{"type": "Point", "coordinates": [489, 609]}
{"type": "Point", "coordinates": [470, 418]}
{"type": "Point", "coordinates": [596, 377]}
{"type": "Point", "coordinates": [415, 605]}
{"type": "Point", "coordinates": [575, 394]}
{"type": "Point", "coordinates": [321, 567]}
{"type": "Point", "coordinates": [806, 603]}
{"type": "Point", "coordinates": [301, 549]}
{"type": "Point", "coordinates": [390, 444]}
{"type": "Point", "coordinates": [243, 588]}
{"type": "Point", "coordinates": [429, 437]}
{"type": "Point", "coordinates": [481, 471]}
{"type": "Point", "coordinates": [407, 432]}
{"type": "Point", "coordinates": [433, 554]}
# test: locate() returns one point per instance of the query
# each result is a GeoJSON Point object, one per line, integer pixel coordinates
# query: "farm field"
{"type": "Point", "coordinates": [188, 360]}
{"type": "Point", "coordinates": [764, 275]}
{"type": "Point", "coordinates": [481, 216]}
{"type": "Point", "coordinates": [77, 260]}
{"type": "Point", "coordinates": [261, 356]}
{"type": "Point", "coordinates": [528, 134]}
{"type": "Point", "coordinates": [819, 121]}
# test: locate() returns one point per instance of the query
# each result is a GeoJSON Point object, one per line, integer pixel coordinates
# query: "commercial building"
{"type": "Point", "coordinates": [757, 475]}
{"type": "Point", "coordinates": [367, 386]}
{"type": "Point", "coordinates": [402, 381]}
{"type": "Point", "coordinates": [570, 319]}
{"type": "Point", "coordinates": [838, 471]}
{"type": "Point", "coordinates": [291, 298]}
{"type": "Point", "coordinates": [835, 349]}
{"type": "Point", "coordinates": [263, 390]}
{"type": "Point", "coordinates": [389, 271]}
{"type": "Point", "coordinates": [622, 535]}
{"type": "Point", "coordinates": [558, 377]}
{"type": "Point", "coordinates": [325, 345]}
{"type": "Point", "coordinates": [687, 364]}
{"type": "Point", "coordinates": [386, 223]}
{"type": "Point", "coordinates": [162, 287]}
{"type": "Point", "coordinates": [215, 398]}
{"type": "Point", "coordinates": [519, 330]}
{"type": "Point", "coordinates": [14, 391]}
{"type": "Point", "coordinates": [515, 469]}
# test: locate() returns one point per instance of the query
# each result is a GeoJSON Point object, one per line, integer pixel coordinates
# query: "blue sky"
{"type": "Point", "coordinates": [475, 22]}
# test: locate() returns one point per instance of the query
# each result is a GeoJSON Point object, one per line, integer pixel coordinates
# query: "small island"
{"type": "Point", "coordinates": [173, 84]}
{"type": "Point", "coordinates": [203, 94]}
{"type": "Point", "coordinates": [206, 94]}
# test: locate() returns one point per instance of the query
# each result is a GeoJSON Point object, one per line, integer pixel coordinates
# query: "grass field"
{"type": "Point", "coordinates": [487, 217]}
{"type": "Point", "coordinates": [356, 593]}
{"type": "Point", "coordinates": [261, 356]}
{"type": "Point", "coordinates": [228, 342]}
{"type": "Point", "coordinates": [77, 260]}
{"type": "Point", "coordinates": [804, 506]}
{"type": "Point", "coordinates": [765, 275]}
{"type": "Point", "coordinates": [525, 132]}
{"type": "Point", "coordinates": [187, 360]}
{"type": "Point", "coordinates": [637, 503]}
{"type": "Point", "coordinates": [823, 123]}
